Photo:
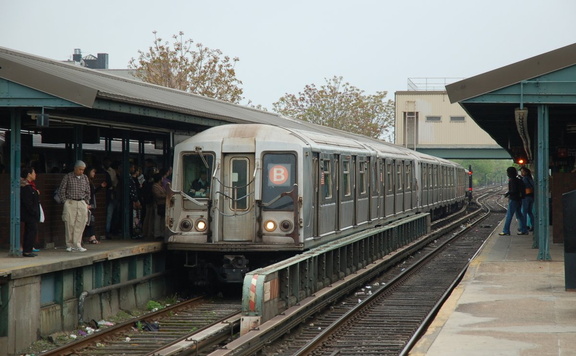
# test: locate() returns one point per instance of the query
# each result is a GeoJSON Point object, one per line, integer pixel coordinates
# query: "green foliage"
{"type": "Point", "coordinates": [488, 172]}
{"type": "Point", "coordinates": [340, 105]}
{"type": "Point", "coordinates": [189, 67]}
{"type": "Point", "coordinates": [152, 304]}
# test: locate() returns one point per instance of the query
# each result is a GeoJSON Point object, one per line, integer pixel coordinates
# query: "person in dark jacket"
{"type": "Point", "coordinates": [528, 201]}
{"type": "Point", "coordinates": [514, 196]}
{"type": "Point", "coordinates": [89, 230]}
{"type": "Point", "coordinates": [29, 209]}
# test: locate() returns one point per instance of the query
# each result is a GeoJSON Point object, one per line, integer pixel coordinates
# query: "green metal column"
{"type": "Point", "coordinates": [15, 158]}
{"type": "Point", "coordinates": [542, 209]}
{"type": "Point", "coordinates": [78, 140]}
{"type": "Point", "coordinates": [126, 203]}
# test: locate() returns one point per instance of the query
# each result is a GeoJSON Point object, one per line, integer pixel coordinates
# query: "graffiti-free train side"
{"type": "Point", "coordinates": [247, 195]}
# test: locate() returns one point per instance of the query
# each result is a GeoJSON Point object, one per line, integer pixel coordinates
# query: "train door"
{"type": "Point", "coordinates": [239, 216]}
{"type": "Point", "coordinates": [375, 189]}
{"type": "Point", "coordinates": [407, 175]}
{"type": "Point", "coordinates": [327, 215]}
{"type": "Point", "coordinates": [389, 189]}
{"type": "Point", "coordinates": [424, 185]}
{"type": "Point", "coordinates": [346, 191]}
{"type": "Point", "coordinates": [362, 190]}
{"type": "Point", "coordinates": [399, 191]}
{"type": "Point", "coordinates": [316, 174]}
{"type": "Point", "coordinates": [442, 183]}
{"type": "Point", "coordinates": [435, 194]}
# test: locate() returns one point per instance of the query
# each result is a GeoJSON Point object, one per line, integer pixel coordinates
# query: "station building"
{"type": "Point", "coordinates": [426, 121]}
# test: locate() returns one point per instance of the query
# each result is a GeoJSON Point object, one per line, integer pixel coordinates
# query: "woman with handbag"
{"type": "Point", "coordinates": [29, 209]}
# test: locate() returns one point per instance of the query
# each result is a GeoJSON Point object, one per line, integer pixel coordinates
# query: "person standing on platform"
{"type": "Point", "coordinates": [528, 201]}
{"type": "Point", "coordinates": [29, 209]}
{"type": "Point", "coordinates": [89, 230]}
{"type": "Point", "coordinates": [514, 195]}
{"type": "Point", "coordinates": [148, 210]}
{"type": "Point", "coordinates": [75, 193]}
{"type": "Point", "coordinates": [159, 194]}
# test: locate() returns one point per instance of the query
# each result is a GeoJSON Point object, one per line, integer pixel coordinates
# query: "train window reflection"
{"type": "Point", "coordinates": [196, 177]}
{"type": "Point", "coordinates": [346, 177]}
{"type": "Point", "coordinates": [326, 179]}
{"type": "Point", "coordinates": [278, 176]}
{"type": "Point", "coordinates": [362, 179]}
{"type": "Point", "coordinates": [239, 177]}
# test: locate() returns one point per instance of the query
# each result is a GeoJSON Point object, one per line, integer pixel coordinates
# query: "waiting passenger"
{"type": "Point", "coordinates": [528, 201]}
{"type": "Point", "coordinates": [514, 196]}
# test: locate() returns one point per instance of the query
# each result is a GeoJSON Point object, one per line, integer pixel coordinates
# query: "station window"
{"type": "Point", "coordinates": [457, 119]}
{"type": "Point", "coordinates": [433, 119]}
{"type": "Point", "coordinates": [196, 170]}
{"type": "Point", "coordinates": [279, 177]}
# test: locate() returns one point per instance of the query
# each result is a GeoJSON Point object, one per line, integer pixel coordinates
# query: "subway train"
{"type": "Point", "coordinates": [246, 195]}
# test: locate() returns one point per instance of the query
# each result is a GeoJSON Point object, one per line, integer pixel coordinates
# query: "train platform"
{"type": "Point", "coordinates": [58, 259]}
{"type": "Point", "coordinates": [508, 303]}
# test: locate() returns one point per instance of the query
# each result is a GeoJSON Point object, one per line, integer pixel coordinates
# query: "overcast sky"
{"type": "Point", "coordinates": [374, 45]}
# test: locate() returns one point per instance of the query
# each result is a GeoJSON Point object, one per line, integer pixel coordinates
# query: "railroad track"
{"type": "Point", "coordinates": [192, 325]}
{"type": "Point", "coordinates": [390, 319]}
{"type": "Point", "coordinates": [421, 295]}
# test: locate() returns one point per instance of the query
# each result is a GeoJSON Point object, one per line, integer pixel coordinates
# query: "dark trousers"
{"type": "Point", "coordinates": [30, 231]}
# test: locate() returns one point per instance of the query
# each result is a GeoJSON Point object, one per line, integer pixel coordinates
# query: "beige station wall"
{"type": "Point", "coordinates": [443, 133]}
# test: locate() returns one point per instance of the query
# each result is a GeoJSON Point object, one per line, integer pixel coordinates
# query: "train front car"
{"type": "Point", "coordinates": [235, 200]}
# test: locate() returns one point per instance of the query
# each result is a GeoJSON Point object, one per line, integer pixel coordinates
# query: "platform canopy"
{"type": "Point", "coordinates": [529, 109]}
{"type": "Point", "coordinates": [492, 99]}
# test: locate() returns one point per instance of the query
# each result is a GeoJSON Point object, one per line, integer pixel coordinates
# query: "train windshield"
{"type": "Point", "coordinates": [279, 176]}
{"type": "Point", "coordinates": [197, 174]}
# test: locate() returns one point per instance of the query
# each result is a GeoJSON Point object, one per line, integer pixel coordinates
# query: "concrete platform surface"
{"type": "Point", "coordinates": [508, 303]}
{"type": "Point", "coordinates": [57, 259]}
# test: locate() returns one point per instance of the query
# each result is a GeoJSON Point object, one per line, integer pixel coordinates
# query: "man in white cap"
{"type": "Point", "coordinates": [75, 193]}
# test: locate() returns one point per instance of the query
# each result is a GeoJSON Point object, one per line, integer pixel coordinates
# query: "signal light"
{"type": "Point", "coordinates": [469, 173]}
{"type": "Point", "coordinates": [520, 161]}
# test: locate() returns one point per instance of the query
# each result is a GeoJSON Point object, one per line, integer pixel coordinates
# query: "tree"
{"type": "Point", "coordinates": [340, 105]}
{"type": "Point", "coordinates": [190, 67]}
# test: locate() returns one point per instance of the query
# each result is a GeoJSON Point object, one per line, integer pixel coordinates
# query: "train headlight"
{"type": "Point", "coordinates": [186, 225]}
{"type": "Point", "coordinates": [286, 225]}
{"type": "Point", "coordinates": [270, 225]}
{"type": "Point", "coordinates": [201, 225]}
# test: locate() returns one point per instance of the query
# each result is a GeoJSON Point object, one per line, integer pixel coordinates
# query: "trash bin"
{"type": "Point", "coordinates": [568, 212]}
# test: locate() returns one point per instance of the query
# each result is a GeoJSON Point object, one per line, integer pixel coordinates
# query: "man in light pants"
{"type": "Point", "coordinates": [75, 193]}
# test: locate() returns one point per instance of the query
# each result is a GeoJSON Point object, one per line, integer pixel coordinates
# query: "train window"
{"type": "Point", "coordinates": [375, 177]}
{"type": "Point", "coordinates": [239, 179]}
{"type": "Point", "coordinates": [279, 176]}
{"type": "Point", "coordinates": [363, 169]}
{"type": "Point", "coordinates": [326, 179]}
{"type": "Point", "coordinates": [389, 177]}
{"type": "Point", "coordinates": [408, 176]}
{"type": "Point", "coordinates": [346, 176]}
{"type": "Point", "coordinates": [399, 177]}
{"type": "Point", "coordinates": [194, 171]}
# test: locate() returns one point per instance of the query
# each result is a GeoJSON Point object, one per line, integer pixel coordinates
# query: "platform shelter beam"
{"type": "Point", "coordinates": [15, 158]}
